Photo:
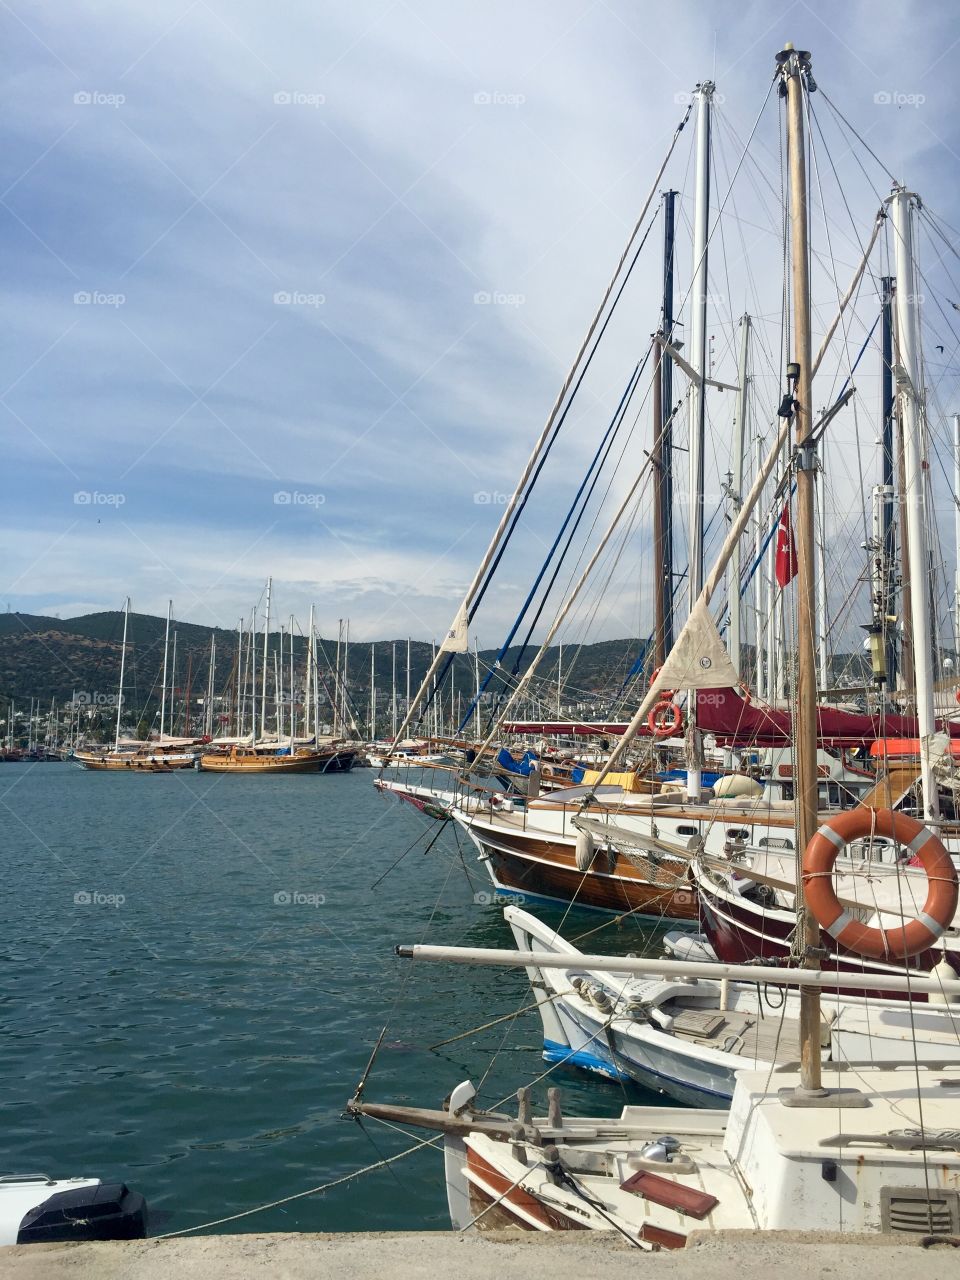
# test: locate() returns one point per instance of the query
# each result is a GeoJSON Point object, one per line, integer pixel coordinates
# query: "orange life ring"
{"type": "Point", "coordinates": [660, 727]}
{"type": "Point", "coordinates": [958, 695]}
{"type": "Point", "coordinates": [880, 944]}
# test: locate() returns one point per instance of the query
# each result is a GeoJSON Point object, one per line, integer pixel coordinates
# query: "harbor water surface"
{"type": "Point", "coordinates": [196, 968]}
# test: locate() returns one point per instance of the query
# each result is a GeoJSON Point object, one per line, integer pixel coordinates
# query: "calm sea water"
{"type": "Point", "coordinates": [195, 969]}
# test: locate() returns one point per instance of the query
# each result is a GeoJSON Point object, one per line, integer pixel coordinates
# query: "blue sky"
{"type": "Point", "coordinates": [242, 251]}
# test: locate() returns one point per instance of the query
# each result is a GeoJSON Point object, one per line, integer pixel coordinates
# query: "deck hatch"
{"type": "Point", "coordinates": [670, 1194]}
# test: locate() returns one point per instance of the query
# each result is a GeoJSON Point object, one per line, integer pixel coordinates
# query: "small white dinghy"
{"type": "Point", "coordinates": [35, 1209]}
{"type": "Point", "coordinates": [687, 1037]}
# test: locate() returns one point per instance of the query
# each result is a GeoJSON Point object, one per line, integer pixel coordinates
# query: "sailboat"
{"type": "Point", "coordinates": [165, 755]}
{"type": "Point", "coordinates": [853, 1147]}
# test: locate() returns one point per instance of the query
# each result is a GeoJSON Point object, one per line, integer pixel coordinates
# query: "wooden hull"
{"type": "Point", "coordinates": [133, 764]}
{"type": "Point", "coordinates": [308, 763]}
{"type": "Point", "coordinates": [538, 867]}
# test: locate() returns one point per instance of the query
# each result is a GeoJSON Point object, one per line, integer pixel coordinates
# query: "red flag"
{"type": "Point", "coordinates": [786, 561]}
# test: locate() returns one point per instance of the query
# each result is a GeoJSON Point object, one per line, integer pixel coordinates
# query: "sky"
{"type": "Point", "coordinates": [290, 290]}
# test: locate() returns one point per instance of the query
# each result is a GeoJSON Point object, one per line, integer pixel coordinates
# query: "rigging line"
{"type": "Point", "coordinates": [815, 162]}
{"type": "Point", "coordinates": [770, 533]}
{"type": "Point", "coordinates": [596, 464]}
{"type": "Point", "coordinates": [300, 1195]}
{"type": "Point", "coordinates": [837, 112]}
{"type": "Point", "coordinates": [436, 836]}
{"type": "Point", "coordinates": [736, 172]}
{"type": "Point", "coordinates": [519, 509]}
{"type": "Point", "coordinates": [551, 419]}
{"type": "Point", "coordinates": [581, 514]}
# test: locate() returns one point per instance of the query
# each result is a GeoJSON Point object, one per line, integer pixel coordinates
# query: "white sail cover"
{"type": "Point", "coordinates": [457, 640]}
{"type": "Point", "coordinates": [699, 659]}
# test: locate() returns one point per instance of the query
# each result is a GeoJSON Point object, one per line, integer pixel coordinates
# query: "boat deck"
{"type": "Point", "coordinates": [756, 1038]}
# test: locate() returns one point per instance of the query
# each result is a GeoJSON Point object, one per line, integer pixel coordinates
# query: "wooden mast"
{"type": "Point", "coordinates": [794, 70]}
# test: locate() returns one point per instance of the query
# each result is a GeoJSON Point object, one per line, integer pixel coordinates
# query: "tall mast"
{"type": "Point", "coordinates": [238, 730]}
{"type": "Point", "coordinates": [173, 683]}
{"type": "Point", "coordinates": [663, 450]}
{"type": "Point", "coordinates": [698, 361]}
{"type": "Point", "coordinates": [266, 641]}
{"type": "Point", "coordinates": [208, 709]}
{"type": "Point", "coordinates": [253, 676]}
{"type": "Point", "coordinates": [888, 534]}
{"type": "Point", "coordinates": [795, 81]}
{"type": "Point", "coordinates": [343, 683]}
{"type": "Point", "coordinates": [393, 694]}
{"type": "Point", "coordinates": [560, 676]}
{"type": "Point", "coordinates": [407, 710]}
{"type": "Point", "coordinates": [308, 692]}
{"type": "Point", "coordinates": [123, 666]}
{"type": "Point", "coordinates": [336, 680]}
{"type": "Point", "coordinates": [293, 707]}
{"type": "Point", "coordinates": [163, 692]}
{"type": "Point", "coordinates": [910, 389]}
{"type": "Point", "coordinates": [736, 494]}
{"type": "Point", "coordinates": [373, 698]}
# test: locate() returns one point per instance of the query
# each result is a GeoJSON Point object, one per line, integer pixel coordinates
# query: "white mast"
{"type": "Point", "coordinates": [266, 641]}
{"type": "Point", "coordinates": [208, 709]}
{"type": "Point", "coordinates": [253, 675]}
{"type": "Point", "coordinates": [293, 707]}
{"type": "Point", "coordinates": [698, 355]}
{"type": "Point", "coordinates": [736, 494]}
{"type": "Point", "coordinates": [123, 665]}
{"type": "Point", "coordinates": [308, 693]}
{"type": "Point", "coordinates": [393, 697]}
{"type": "Point", "coordinates": [343, 685]}
{"type": "Point", "coordinates": [173, 682]}
{"type": "Point", "coordinates": [559, 676]}
{"type": "Point", "coordinates": [336, 681]}
{"type": "Point", "coordinates": [163, 693]}
{"type": "Point", "coordinates": [279, 716]}
{"type": "Point", "coordinates": [912, 418]}
{"type": "Point", "coordinates": [407, 710]}
{"type": "Point", "coordinates": [239, 724]}
{"type": "Point", "coordinates": [373, 698]}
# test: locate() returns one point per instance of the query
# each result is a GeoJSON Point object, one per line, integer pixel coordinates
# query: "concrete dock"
{"type": "Point", "coordinates": [736, 1255]}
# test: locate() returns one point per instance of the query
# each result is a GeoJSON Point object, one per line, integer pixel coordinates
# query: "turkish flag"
{"type": "Point", "coordinates": [786, 561]}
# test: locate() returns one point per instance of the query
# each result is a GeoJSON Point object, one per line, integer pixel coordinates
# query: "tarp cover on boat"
{"type": "Point", "coordinates": [725, 714]}
{"type": "Point", "coordinates": [506, 761]}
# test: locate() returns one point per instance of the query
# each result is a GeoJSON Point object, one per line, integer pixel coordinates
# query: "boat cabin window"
{"type": "Point", "coordinates": [738, 833]}
{"type": "Point", "coordinates": [687, 831]}
{"type": "Point", "coordinates": [774, 842]}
